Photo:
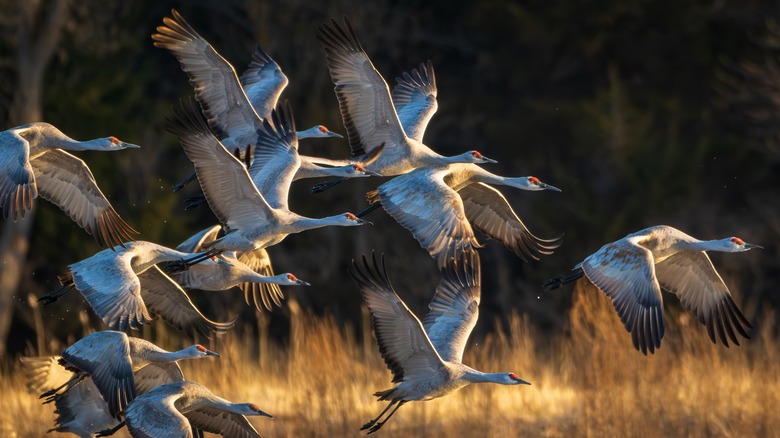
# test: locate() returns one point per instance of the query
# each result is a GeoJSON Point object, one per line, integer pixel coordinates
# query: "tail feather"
{"type": "Point", "coordinates": [373, 196]}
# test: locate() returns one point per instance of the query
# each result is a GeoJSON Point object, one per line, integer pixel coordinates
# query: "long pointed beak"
{"type": "Point", "coordinates": [131, 146]}
{"type": "Point", "coordinates": [488, 160]}
{"type": "Point", "coordinates": [751, 246]}
{"type": "Point", "coordinates": [549, 187]}
{"type": "Point", "coordinates": [370, 173]}
{"type": "Point", "coordinates": [334, 134]}
{"type": "Point", "coordinates": [302, 283]}
{"type": "Point", "coordinates": [522, 382]}
{"type": "Point", "coordinates": [212, 353]}
{"type": "Point", "coordinates": [264, 414]}
{"type": "Point", "coordinates": [363, 221]}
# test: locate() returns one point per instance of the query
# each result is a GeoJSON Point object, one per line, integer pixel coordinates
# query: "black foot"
{"type": "Point", "coordinates": [194, 202]}
{"type": "Point", "coordinates": [321, 187]}
{"type": "Point", "coordinates": [367, 425]}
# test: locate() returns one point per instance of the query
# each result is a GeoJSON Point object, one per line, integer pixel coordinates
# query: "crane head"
{"type": "Point", "coordinates": [112, 144]}
{"type": "Point", "coordinates": [201, 351]}
{"type": "Point", "coordinates": [477, 158]}
{"type": "Point", "coordinates": [533, 183]}
{"type": "Point", "coordinates": [735, 244]}
{"type": "Point", "coordinates": [293, 280]}
{"type": "Point", "coordinates": [255, 410]}
{"type": "Point", "coordinates": [515, 380]}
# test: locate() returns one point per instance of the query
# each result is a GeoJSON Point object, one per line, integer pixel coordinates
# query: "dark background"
{"type": "Point", "coordinates": [642, 112]}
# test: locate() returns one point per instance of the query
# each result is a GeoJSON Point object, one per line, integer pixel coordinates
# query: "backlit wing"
{"type": "Point", "coordinates": [17, 181]}
{"type": "Point", "coordinates": [263, 82]}
{"type": "Point", "coordinates": [414, 97]}
{"type": "Point", "coordinates": [691, 276]}
{"type": "Point", "coordinates": [625, 272]}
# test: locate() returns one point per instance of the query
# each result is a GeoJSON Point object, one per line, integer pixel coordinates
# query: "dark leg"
{"type": "Point", "coordinates": [184, 264]}
{"type": "Point", "coordinates": [186, 181]}
{"type": "Point", "coordinates": [382, 423]}
{"type": "Point", "coordinates": [369, 209]}
{"type": "Point", "coordinates": [321, 187]}
{"type": "Point", "coordinates": [194, 201]}
{"type": "Point", "coordinates": [372, 422]}
{"type": "Point", "coordinates": [55, 295]}
{"type": "Point", "coordinates": [113, 430]}
{"type": "Point", "coordinates": [555, 283]}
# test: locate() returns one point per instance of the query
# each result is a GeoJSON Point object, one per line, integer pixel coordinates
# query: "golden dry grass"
{"type": "Point", "coordinates": [589, 382]}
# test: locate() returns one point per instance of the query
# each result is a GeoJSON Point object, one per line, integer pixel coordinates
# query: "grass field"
{"type": "Point", "coordinates": [587, 382]}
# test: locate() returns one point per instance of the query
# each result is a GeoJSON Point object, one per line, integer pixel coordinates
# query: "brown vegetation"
{"type": "Point", "coordinates": [587, 382]}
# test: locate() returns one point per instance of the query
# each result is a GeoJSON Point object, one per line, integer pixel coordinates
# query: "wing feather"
{"type": "Point", "coordinates": [167, 299]}
{"type": "Point", "coordinates": [221, 422]}
{"type": "Point", "coordinates": [625, 272]}
{"type": "Point", "coordinates": [67, 182]}
{"type": "Point", "coordinates": [454, 309]}
{"type": "Point", "coordinates": [489, 212]}
{"type": "Point", "coordinates": [691, 276]}
{"type": "Point", "coordinates": [17, 179]}
{"type": "Point", "coordinates": [434, 213]}
{"type": "Point", "coordinates": [259, 261]}
{"type": "Point", "coordinates": [263, 82]}
{"type": "Point", "coordinates": [403, 344]}
{"type": "Point", "coordinates": [414, 97]}
{"type": "Point", "coordinates": [364, 98]}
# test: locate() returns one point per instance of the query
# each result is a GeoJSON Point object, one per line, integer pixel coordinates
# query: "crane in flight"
{"type": "Point", "coordinates": [124, 284]}
{"type": "Point", "coordinates": [425, 359]}
{"type": "Point", "coordinates": [34, 161]}
{"type": "Point", "coordinates": [253, 217]}
{"type": "Point", "coordinates": [109, 358]}
{"type": "Point", "coordinates": [633, 270]}
{"type": "Point", "coordinates": [369, 115]}
{"type": "Point", "coordinates": [176, 409]}
{"type": "Point", "coordinates": [441, 206]}
{"type": "Point", "coordinates": [236, 107]}
{"type": "Point", "coordinates": [251, 271]}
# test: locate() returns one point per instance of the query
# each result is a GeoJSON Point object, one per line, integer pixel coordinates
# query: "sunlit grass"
{"type": "Point", "coordinates": [588, 382]}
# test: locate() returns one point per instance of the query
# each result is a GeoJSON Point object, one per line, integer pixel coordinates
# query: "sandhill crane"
{"type": "Point", "coordinates": [176, 409]}
{"type": "Point", "coordinates": [250, 270]}
{"type": "Point", "coordinates": [368, 112]}
{"type": "Point", "coordinates": [633, 270]}
{"type": "Point", "coordinates": [235, 107]}
{"type": "Point", "coordinates": [425, 359]}
{"type": "Point", "coordinates": [249, 215]}
{"type": "Point", "coordinates": [109, 358]}
{"type": "Point", "coordinates": [33, 161]}
{"type": "Point", "coordinates": [441, 204]}
{"type": "Point", "coordinates": [124, 284]}
{"type": "Point", "coordinates": [81, 410]}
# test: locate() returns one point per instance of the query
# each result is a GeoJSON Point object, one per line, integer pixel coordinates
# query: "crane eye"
{"type": "Point", "coordinates": [513, 376]}
{"type": "Point", "coordinates": [351, 216]}
{"type": "Point", "coordinates": [291, 277]}
{"type": "Point", "coordinates": [359, 168]}
{"type": "Point", "coordinates": [114, 140]}
{"type": "Point", "coordinates": [200, 348]}
{"type": "Point", "coordinates": [476, 154]}
{"type": "Point", "coordinates": [737, 241]}
{"type": "Point", "coordinates": [323, 129]}
{"type": "Point", "coordinates": [254, 407]}
{"type": "Point", "coordinates": [534, 180]}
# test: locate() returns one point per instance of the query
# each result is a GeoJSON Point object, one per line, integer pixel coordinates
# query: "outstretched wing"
{"type": "Point", "coordinates": [106, 357]}
{"type": "Point", "coordinates": [167, 299]}
{"type": "Point", "coordinates": [625, 272]}
{"type": "Point", "coordinates": [414, 97]}
{"type": "Point", "coordinates": [229, 190]}
{"type": "Point", "coordinates": [259, 261]}
{"type": "Point", "coordinates": [403, 344]}
{"type": "Point", "coordinates": [17, 180]}
{"type": "Point", "coordinates": [434, 213]}
{"type": "Point", "coordinates": [364, 99]}
{"type": "Point", "coordinates": [276, 158]}
{"type": "Point", "coordinates": [155, 374]}
{"type": "Point", "coordinates": [221, 422]}
{"type": "Point", "coordinates": [110, 286]}
{"type": "Point", "coordinates": [194, 242]}
{"type": "Point", "coordinates": [263, 82]}
{"type": "Point", "coordinates": [154, 414]}
{"type": "Point", "coordinates": [454, 309]}
{"type": "Point", "coordinates": [488, 211]}
{"type": "Point", "coordinates": [67, 182]}
{"type": "Point", "coordinates": [217, 87]}
{"type": "Point", "coordinates": [691, 276]}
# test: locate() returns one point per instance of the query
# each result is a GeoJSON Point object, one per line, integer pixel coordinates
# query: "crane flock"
{"type": "Point", "coordinates": [243, 144]}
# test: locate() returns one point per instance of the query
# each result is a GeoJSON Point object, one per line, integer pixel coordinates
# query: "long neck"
{"type": "Point", "coordinates": [309, 133]}
{"type": "Point", "coordinates": [148, 254]}
{"type": "Point", "coordinates": [148, 352]}
{"type": "Point", "coordinates": [307, 223]}
{"type": "Point", "coordinates": [166, 356]}
{"type": "Point", "coordinates": [474, 376]}
{"type": "Point", "coordinates": [700, 245]}
{"type": "Point", "coordinates": [220, 403]}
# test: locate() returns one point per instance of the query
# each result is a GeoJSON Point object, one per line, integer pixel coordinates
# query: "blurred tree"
{"type": "Point", "coordinates": [35, 28]}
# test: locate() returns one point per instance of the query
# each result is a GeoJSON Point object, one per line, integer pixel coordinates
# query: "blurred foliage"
{"type": "Point", "coordinates": [643, 112]}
